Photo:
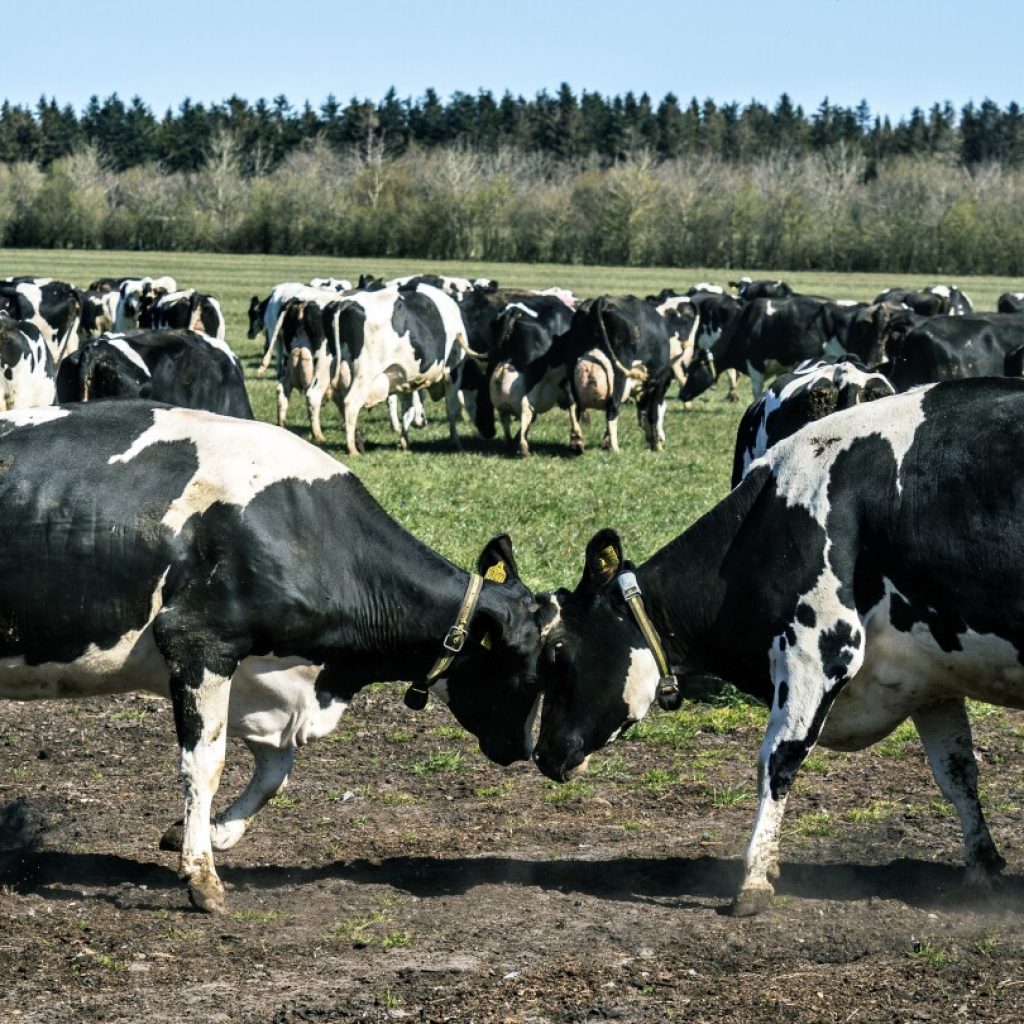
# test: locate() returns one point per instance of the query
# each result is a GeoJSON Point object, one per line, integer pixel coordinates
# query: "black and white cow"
{"type": "Point", "coordinates": [55, 307]}
{"type": "Point", "coordinates": [617, 347]}
{"type": "Point", "coordinates": [768, 337]}
{"type": "Point", "coordinates": [870, 568]}
{"type": "Point", "coordinates": [99, 313]}
{"type": "Point", "coordinates": [748, 290]}
{"type": "Point", "coordinates": [527, 371]}
{"type": "Point", "coordinates": [1010, 302]}
{"type": "Point", "coordinates": [27, 374]}
{"type": "Point", "coordinates": [181, 368]}
{"type": "Point", "coordinates": [334, 284]}
{"type": "Point", "coordinates": [935, 300]}
{"type": "Point", "coordinates": [264, 315]}
{"type": "Point", "coordinates": [186, 310]}
{"type": "Point", "coordinates": [812, 391]}
{"type": "Point", "coordinates": [149, 554]}
{"type": "Point", "coordinates": [130, 293]}
{"type": "Point", "coordinates": [948, 348]}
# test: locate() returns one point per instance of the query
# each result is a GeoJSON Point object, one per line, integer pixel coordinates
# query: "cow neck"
{"type": "Point", "coordinates": [684, 590]}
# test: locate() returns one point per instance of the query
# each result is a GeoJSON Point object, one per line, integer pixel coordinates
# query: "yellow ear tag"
{"type": "Point", "coordinates": [486, 641]}
{"type": "Point", "coordinates": [609, 560]}
{"type": "Point", "coordinates": [497, 573]}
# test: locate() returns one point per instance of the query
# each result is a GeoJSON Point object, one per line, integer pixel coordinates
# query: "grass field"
{"type": "Point", "coordinates": [550, 503]}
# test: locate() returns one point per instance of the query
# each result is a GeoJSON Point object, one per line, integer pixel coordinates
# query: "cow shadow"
{"type": "Point", "coordinates": [672, 881]}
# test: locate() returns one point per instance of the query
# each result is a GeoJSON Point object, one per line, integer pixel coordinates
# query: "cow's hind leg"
{"type": "Point", "coordinates": [945, 731]}
{"type": "Point", "coordinates": [810, 665]}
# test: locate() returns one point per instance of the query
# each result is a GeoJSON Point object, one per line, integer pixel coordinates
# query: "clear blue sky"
{"type": "Point", "coordinates": [896, 55]}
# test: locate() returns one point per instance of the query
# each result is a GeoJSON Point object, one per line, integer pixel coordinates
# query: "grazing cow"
{"type": "Point", "coordinates": [398, 342]}
{"type": "Point", "coordinates": [615, 348]}
{"type": "Point", "coordinates": [149, 554]}
{"type": "Point", "coordinates": [527, 372]}
{"type": "Point", "coordinates": [99, 313]}
{"type": "Point", "coordinates": [767, 337]}
{"type": "Point", "coordinates": [935, 300]}
{"type": "Point", "coordinates": [186, 310]}
{"type": "Point", "coordinates": [747, 290]}
{"type": "Point", "coordinates": [871, 326]}
{"type": "Point", "coordinates": [130, 293]}
{"type": "Point", "coordinates": [812, 391]}
{"type": "Point", "coordinates": [1011, 302]}
{"type": "Point", "coordinates": [949, 348]}
{"type": "Point", "coordinates": [181, 368]}
{"type": "Point", "coordinates": [26, 365]}
{"type": "Point", "coordinates": [867, 570]}
{"type": "Point", "coordinates": [55, 307]}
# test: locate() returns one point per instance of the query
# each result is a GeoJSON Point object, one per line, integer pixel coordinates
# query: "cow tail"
{"type": "Point", "coordinates": [627, 371]}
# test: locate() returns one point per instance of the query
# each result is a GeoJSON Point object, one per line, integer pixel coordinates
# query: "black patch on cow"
{"type": "Point", "coordinates": [837, 647]}
{"type": "Point", "coordinates": [783, 694]}
{"type": "Point", "coordinates": [805, 615]}
{"type": "Point", "coordinates": [790, 754]}
{"type": "Point", "coordinates": [901, 615]}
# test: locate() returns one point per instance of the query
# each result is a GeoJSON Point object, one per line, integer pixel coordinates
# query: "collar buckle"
{"type": "Point", "coordinates": [455, 639]}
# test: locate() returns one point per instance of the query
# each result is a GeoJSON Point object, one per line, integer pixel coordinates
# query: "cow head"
{"type": "Point", "coordinates": [597, 671]}
{"type": "Point", "coordinates": [102, 369]}
{"type": "Point", "coordinates": [256, 311]}
{"type": "Point", "coordinates": [700, 375]}
{"type": "Point", "coordinates": [491, 687]}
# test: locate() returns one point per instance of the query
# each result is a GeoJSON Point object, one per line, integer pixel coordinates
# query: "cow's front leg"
{"type": "Point", "coordinates": [757, 380]}
{"type": "Point", "coordinates": [453, 411]}
{"type": "Point", "coordinates": [809, 667]}
{"type": "Point", "coordinates": [945, 731]}
{"type": "Point", "coordinates": [618, 396]}
{"type": "Point", "coordinates": [576, 443]}
{"type": "Point", "coordinates": [314, 402]}
{"type": "Point", "coordinates": [525, 422]}
{"type": "Point", "coordinates": [282, 404]}
{"type": "Point", "coordinates": [734, 385]}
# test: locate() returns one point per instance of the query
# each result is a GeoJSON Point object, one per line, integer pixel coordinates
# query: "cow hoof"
{"type": "Point", "coordinates": [606, 444]}
{"type": "Point", "coordinates": [523, 453]}
{"type": "Point", "coordinates": [576, 445]}
{"type": "Point", "coordinates": [688, 406]}
{"type": "Point", "coordinates": [749, 902]}
{"type": "Point", "coordinates": [983, 875]}
{"type": "Point", "coordinates": [173, 838]}
{"type": "Point", "coordinates": [733, 396]}
{"type": "Point", "coordinates": [773, 871]}
{"type": "Point", "coordinates": [403, 444]}
{"type": "Point", "coordinates": [207, 894]}
{"type": "Point", "coordinates": [318, 439]}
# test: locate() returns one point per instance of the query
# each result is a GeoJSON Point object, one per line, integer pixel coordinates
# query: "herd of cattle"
{"type": "Point", "coordinates": [864, 569]}
{"type": "Point", "coordinates": [491, 352]}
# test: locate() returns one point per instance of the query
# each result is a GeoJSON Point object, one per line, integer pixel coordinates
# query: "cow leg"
{"type": "Point", "coordinates": [314, 401]}
{"type": "Point", "coordinates": [419, 420]}
{"type": "Point", "coordinates": [393, 416]}
{"type": "Point", "coordinates": [734, 385]}
{"type": "Point", "coordinates": [525, 422]}
{"type": "Point", "coordinates": [282, 404]}
{"type": "Point", "coordinates": [807, 681]}
{"type": "Point", "coordinates": [453, 410]}
{"type": "Point", "coordinates": [575, 430]}
{"type": "Point", "coordinates": [945, 731]}
{"type": "Point", "coordinates": [611, 436]}
{"type": "Point", "coordinates": [352, 404]}
{"type": "Point", "coordinates": [757, 381]}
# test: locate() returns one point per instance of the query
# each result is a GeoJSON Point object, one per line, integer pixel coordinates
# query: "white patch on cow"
{"type": "Point", "coordinates": [128, 352]}
{"type": "Point", "coordinates": [35, 416]}
{"type": "Point", "coordinates": [713, 289]}
{"type": "Point", "coordinates": [641, 684]}
{"type": "Point", "coordinates": [769, 309]}
{"type": "Point", "coordinates": [520, 306]}
{"type": "Point", "coordinates": [221, 345]}
{"type": "Point", "coordinates": [941, 290]}
{"type": "Point", "coordinates": [237, 459]}
{"type": "Point", "coordinates": [801, 464]}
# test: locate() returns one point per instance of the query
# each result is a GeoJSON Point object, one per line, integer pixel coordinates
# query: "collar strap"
{"type": "Point", "coordinates": [668, 688]}
{"type": "Point", "coordinates": [454, 641]}
{"type": "Point", "coordinates": [711, 363]}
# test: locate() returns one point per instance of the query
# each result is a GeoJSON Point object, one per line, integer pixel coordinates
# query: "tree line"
{"type": "Point", "coordinates": [563, 126]}
{"type": "Point", "coordinates": [833, 191]}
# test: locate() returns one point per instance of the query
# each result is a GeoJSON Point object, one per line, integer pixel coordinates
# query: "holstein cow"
{"type": "Point", "coordinates": [26, 365]}
{"type": "Point", "coordinates": [99, 313]}
{"type": "Point", "coordinates": [130, 294]}
{"type": "Point", "coordinates": [182, 368]}
{"type": "Point", "coordinates": [527, 372]}
{"type": "Point", "coordinates": [55, 307]}
{"type": "Point", "coordinates": [813, 390]}
{"type": "Point", "coordinates": [949, 348]}
{"type": "Point", "coordinates": [1011, 302]}
{"type": "Point", "coordinates": [160, 531]}
{"type": "Point", "coordinates": [747, 289]}
{"type": "Point", "coordinates": [617, 348]}
{"type": "Point", "coordinates": [186, 310]}
{"type": "Point", "coordinates": [870, 568]}
{"type": "Point", "coordinates": [767, 337]}
{"type": "Point", "coordinates": [935, 300]}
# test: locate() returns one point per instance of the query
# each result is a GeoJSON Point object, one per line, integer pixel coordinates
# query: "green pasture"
{"type": "Point", "coordinates": [550, 503]}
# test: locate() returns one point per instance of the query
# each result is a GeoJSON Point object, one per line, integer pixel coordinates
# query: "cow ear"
{"type": "Point", "coordinates": [603, 559]}
{"type": "Point", "coordinates": [496, 562]}
{"type": "Point", "coordinates": [821, 400]}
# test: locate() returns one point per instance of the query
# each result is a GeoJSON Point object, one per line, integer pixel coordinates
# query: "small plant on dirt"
{"type": "Point", "coordinates": [259, 916]}
{"type": "Point", "coordinates": [490, 792]}
{"type": "Point", "coordinates": [814, 765]}
{"type": "Point", "coordinates": [930, 954]}
{"type": "Point", "coordinates": [283, 800]}
{"type": "Point", "coordinates": [877, 810]}
{"type": "Point", "coordinates": [439, 761]}
{"type": "Point", "coordinates": [128, 715]}
{"type": "Point", "coordinates": [395, 940]}
{"type": "Point", "coordinates": [816, 823]}
{"type": "Point", "coordinates": [388, 999]}
{"type": "Point", "coordinates": [730, 796]}
{"type": "Point", "coordinates": [400, 736]}
{"type": "Point", "coordinates": [450, 733]}
{"type": "Point", "coordinates": [894, 745]}
{"type": "Point", "coordinates": [396, 799]}
{"type": "Point", "coordinates": [612, 768]}
{"type": "Point", "coordinates": [657, 780]}
{"type": "Point", "coordinates": [184, 934]}
{"type": "Point", "coordinates": [354, 930]}
{"type": "Point", "coordinates": [631, 828]}
{"type": "Point", "coordinates": [942, 808]}
{"type": "Point", "coordinates": [567, 792]}
{"type": "Point", "coordinates": [672, 730]}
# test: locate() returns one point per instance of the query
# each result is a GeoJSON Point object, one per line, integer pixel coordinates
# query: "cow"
{"type": "Point", "coordinates": [334, 284]}
{"type": "Point", "coordinates": [868, 569]}
{"type": "Point", "coordinates": [1010, 302]}
{"type": "Point", "coordinates": [55, 307]}
{"type": "Point", "coordinates": [871, 326]}
{"type": "Point", "coordinates": [181, 368]}
{"type": "Point", "coordinates": [615, 348]}
{"type": "Point", "coordinates": [398, 341]}
{"type": "Point", "coordinates": [99, 313]}
{"type": "Point", "coordinates": [767, 337]}
{"type": "Point", "coordinates": [27, 375]}
{"type": "Point", "coordinates": [948, 348]}
{"type": "Point", "coordinates": [265, 314]}
{"type": "Point", "coordinates": [186, 310]}
{"type": "Point", "coordinates": [748, 290]}
{"type": "Point", "coordinates": [149, 554]}
{"type": "Point", "coordinates": [935, 300]}
{"type": "Point", "coordinates": [130, 293]}
{"type": "Point", "coordinates": [813, 390]}
{"type": "Point", "coordinates": [527, 372]}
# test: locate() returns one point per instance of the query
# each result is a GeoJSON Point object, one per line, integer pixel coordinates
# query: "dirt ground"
{"type": "Point", "coordinates": [402, 877]}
